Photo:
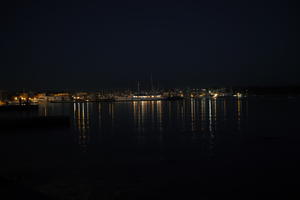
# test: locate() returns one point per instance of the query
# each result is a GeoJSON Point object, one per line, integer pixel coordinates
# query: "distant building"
{"type": "Point", "coordinates": [80, 96]}
{"type": "Point", "coordinates": [59, 97]}
{"type": "Point", "coordinates": [41, 97]}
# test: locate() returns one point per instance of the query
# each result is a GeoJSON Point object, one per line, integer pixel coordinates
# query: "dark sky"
{"type": "Point", "coordinates": [92, 44]}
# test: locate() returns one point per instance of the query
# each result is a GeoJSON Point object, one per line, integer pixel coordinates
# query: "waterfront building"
{"type": "Point", "coordinates": [59, 97]}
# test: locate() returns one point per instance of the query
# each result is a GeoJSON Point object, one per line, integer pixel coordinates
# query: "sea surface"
{"type": "Point", "coordinates": [242, 148]}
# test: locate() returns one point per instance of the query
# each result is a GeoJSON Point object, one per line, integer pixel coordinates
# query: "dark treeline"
{"type": "Point", "coordinates": [280, 90]}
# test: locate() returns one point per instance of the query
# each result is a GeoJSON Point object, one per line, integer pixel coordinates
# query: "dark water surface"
{"type": "Point", "coordinates": [238, 148]}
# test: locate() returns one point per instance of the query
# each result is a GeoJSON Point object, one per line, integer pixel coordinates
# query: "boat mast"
{"type": "Point", "coordinates": [138, 87]}
{"type": "Point", "coordinates": [151, 81]}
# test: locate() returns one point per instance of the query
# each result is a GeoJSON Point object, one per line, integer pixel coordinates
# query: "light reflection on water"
{"type": "Point", "coordinates": [145, 120]}
{"type": "Point", "coordinates": [198, 142]}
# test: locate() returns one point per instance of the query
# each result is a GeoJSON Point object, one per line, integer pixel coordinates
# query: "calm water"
{"type": "Point", "coordinates": [160, 148]}
{"type": "Point", "coordinates": [153, 123]}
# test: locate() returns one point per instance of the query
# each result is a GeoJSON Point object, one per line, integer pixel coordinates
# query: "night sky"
{"type": "Point", "coordinates": [92, 44]}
